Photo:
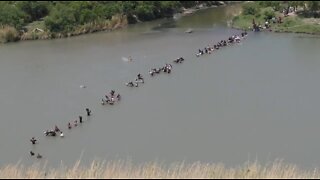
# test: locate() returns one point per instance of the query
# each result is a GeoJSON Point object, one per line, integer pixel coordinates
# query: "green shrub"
{"type": "Point", "coordinates": [145, 12]}
{"type": "Point", "coordinates": [290, 22]}
{"type": "Point", "coordinates": [11, 15]}
{"type": "Point", "coordinates": [250, 9]}
{"type": "Point", "coordinates": [276, 5]}
{"type": "Point", "coordinates": [61, 19]}
{"type": "Point", "coordinates": [34, 9]}
{"type": "Point", "coordinates": [188, 4]}
{"type": "Point", "coordinates": [268, 14]}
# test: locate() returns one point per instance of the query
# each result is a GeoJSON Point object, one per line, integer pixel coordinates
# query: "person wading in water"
{"type": "Point", "coordinates": [88, 111]}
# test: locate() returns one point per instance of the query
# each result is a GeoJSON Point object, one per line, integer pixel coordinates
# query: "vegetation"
{"type": "Point", "coordinates": [304, 16]}
{"type": "Point", "coordinates": [66, 18]}
{"type": "Point", "coordinates": [121, 169]}
{"type": "Point", "coordinates": [8, 34]}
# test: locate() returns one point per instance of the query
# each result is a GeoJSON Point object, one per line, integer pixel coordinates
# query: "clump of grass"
{"type": "Point", "coordinates": [117, 21]}
{"type": "Point", "coordinates": [8, 34]}
{"type": "Point", "coordinates": [34, 35]}
{"type": "Point", "coordinates": [125, 169]}
{"type": "Point", "coordinates": [243, 21]}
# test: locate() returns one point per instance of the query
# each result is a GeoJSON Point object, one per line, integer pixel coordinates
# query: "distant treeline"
{"type": "Point", "coordinates": [65, 16]}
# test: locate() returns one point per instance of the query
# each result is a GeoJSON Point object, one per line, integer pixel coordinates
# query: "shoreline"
{"type": "Point", "coordinates": [116, 22]}
{"type": "Point", "coordinates": [293, 22]}
{"type": "Point", "coordinates": [278, 31]}
{"type": "Point", "coordinates": [121, 22]}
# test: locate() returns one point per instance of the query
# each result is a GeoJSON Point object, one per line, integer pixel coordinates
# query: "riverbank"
{"type": "Point", "coordinates": [116, 22]}
{"type": "Point", "coordinates": [125, 169]}
{"type": "Point", "coordinates": [38, 30]}
{"type": "Point", "coordinates": [293, 22]}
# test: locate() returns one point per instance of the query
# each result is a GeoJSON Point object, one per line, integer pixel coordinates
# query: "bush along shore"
{"type": "Point", "coordinates": [279, 16]}
{"type": "Point", "coordinates": [126, 169]}
{"type": "Point", "coordinates": [30, 20]}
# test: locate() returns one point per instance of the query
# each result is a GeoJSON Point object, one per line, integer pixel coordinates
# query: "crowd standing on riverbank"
{"type": "Point", "coordinates": [112, 97]}
{"type": "Point", "coordinates": [279, 16]}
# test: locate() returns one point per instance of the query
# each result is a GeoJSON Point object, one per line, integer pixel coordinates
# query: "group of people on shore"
{"type": "Point", "coordinates": [267, 24]}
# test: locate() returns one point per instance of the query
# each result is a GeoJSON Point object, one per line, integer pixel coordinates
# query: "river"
{"type": "Point", "coordinates": [255, 100]}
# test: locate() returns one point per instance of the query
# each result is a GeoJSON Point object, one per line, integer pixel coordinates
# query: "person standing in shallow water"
{"type": "Point", "coordinates": [39, 156]}
{"type": "Point", "coordinates": [80, 119]}
{"type": "Point", "coordinates": [33, 140]}
{"type": "Point", "coordinates": [31, 153]}
{"type": "Point", "coordinates": [88, 112]}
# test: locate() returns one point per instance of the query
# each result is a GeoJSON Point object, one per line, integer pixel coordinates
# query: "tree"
{"type": "Point", "coordinates": [250, 9]}
{"type": "Point", "coordinates": [188, 4]}
{"type": "Point", "coordinates": [313, 6]}
{"type": "Point", "coordinates": [11, 15]}
{"type": "Point", "coordinates": [61, 19]}
{"type": "Point", "coordinates": [168, 7]}
{"type": "Point", "coordinates": [145, 11]}
{"type": "Point", "coordinates": [268, 13]}
{"type": "Point", "coordinates": [34, 9]}
{"type": "Point", "coordinates": [106, 11]}
{"type": "Point", "coordinates": [296, 4]}
{"type": "Point", "coordinates": [274, 4]}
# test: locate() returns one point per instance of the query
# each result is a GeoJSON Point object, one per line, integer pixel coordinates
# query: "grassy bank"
{"type": "Point", "coordinates": [295, 22]}
{"type": "Point", "coordinates": [8, 34]}
{"type": "Point", "coordinates": [33, 20]}
{"type": "Point", "coordinates": [117, 21]}
{"type": "Point", "coordinates": [125, 169]}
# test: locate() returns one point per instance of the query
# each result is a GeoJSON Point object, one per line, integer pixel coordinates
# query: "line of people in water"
{"type": "Point", "coordinates": [38, 156]}
{"type": "Point", "coordinates": [167, 69]}
{"type": "Point", "coordinates": [56, 130]}
{"type": "Point", "coordinates": [231, 40]}
{"type": "Point", "coordinates": [111, 99]}
{"type": "Point", "coordinates": [179, 60]}
{"type": "Point", "coordinates": [138, 80]}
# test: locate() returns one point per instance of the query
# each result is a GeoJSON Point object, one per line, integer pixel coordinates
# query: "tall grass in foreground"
{"type": "Point", "coordinates": [125, 169]}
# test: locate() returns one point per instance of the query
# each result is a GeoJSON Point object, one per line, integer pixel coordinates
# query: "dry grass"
{"type": "Point", "coordinates": [8, 34]}
{"type": "Point", "coordinates": [117, 21]}
{"type": "Point", "coordinates": [125, 169]}
{"type": "Point", "coordinates": [34, 35]}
